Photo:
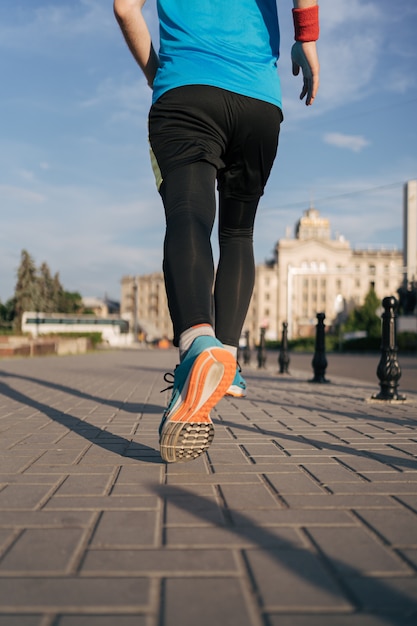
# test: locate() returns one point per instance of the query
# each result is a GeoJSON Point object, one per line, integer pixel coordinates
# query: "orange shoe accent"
{"type": "Point", "coordinates": [214, 363]}
{"type": "Point", "coordinates": [188, 430]}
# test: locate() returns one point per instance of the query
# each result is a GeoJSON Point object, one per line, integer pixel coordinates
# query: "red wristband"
{"type": "Point", "coordinates": [306, 23]}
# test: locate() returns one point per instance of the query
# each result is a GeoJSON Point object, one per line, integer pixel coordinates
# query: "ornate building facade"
{"type": "Point", "coordinates": [309, 273]}
{"type": "Point", "coordinates": [314, 273]}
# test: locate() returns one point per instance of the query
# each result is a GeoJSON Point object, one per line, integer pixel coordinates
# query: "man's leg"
{"type": "Point", "coordinates": [206, 368]}
{"type": "Point", "coordinates": [236, 270]}
{"type": "Point", "coordinates": [248, 162]}
{"type": "Point", "coordinates": [188, 195]}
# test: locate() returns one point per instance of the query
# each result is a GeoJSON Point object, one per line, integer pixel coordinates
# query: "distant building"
{"type": "Point", "coordinates": [410, 230]}
{"type": "Point", "coordinates": [309, 273]}
{"type": "Point", "coordinates": [313, 273]}
{"type": "Point", "coordinates": [144, 305]}
{"type": "Point", "coordinates": [101, 307]}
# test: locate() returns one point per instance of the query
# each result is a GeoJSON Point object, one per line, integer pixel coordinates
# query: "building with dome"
{"type": "Point", "coordinates": [309, 273]}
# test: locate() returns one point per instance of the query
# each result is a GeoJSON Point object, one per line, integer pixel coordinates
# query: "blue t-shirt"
{"type": "Point", "coordinates": [232, 44]}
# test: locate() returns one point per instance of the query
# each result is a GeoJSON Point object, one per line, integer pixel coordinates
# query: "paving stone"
{"type": "Point", "coordinates": [348, 501]}
{"type": "Point", "coordinates": [100, 620]}
{"type": "Point", "coordinates": [330, 473]}
{"type": "Point", "coordinates": [21, 620]}
{"type": "Point", "coordinates": [246, 496]}
{"type": "Point", "coordinates": [386, 594]}
{"type": "Point", "coordinates": [356, 551]}
{"type": "Point", "coordinates": [410, 501]}
{"type": "Point", "coordinates": [290, 517]}
{"type": "Point", "coordinates": [126, 528]}
{"type": "Point", "coordinates": [290, 579]}
{"type": "Point", "coordinates": [334, 619]}
{"type": "Point", "coordinates": [398, 530]}
{"type": "Point", "coordinates": [22, 496]}
{"type": "Point", "coordinates": [190, 509]}
{"type": "Point", "coordinates": [46, 519]}
{"type": "Point", "coordinates": [78, 485]}
{"type": "Point", "coordinates": [42, 550]}
{"type": "Point", "coordinates": [294, 482]}
{"type": "Point", "coordinates": [160, 562]}
{"type": "Point", "coordinates": [211, 479]}
{"type": "Point", "coordinates": [101, 503]}
{"type": "Point", "coordinates": [232, 537]}
{"type": "Point", "coordinates": [221, 601]}
{"type": "Point", "coordinates": [68, 593]}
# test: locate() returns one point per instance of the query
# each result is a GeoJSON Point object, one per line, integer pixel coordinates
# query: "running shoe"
{"type": "Point", "coordinates": [238, 387]}
{"type": "Point", "coordinates": [200, 381]}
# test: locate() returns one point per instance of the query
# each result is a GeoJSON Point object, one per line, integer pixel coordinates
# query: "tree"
{"type": "Point", "coordinates": [39, 291]}
{"type": "Point", "coordinates": [26, 293]}
{"type": "Point", "coordinates": [48, 299]}
{"type": "Point", "coordinates": [7, 313]}
{"type": "Point", "coordinates": [366, 317]}
{"type": "Point", "coordinates": [70, 302]}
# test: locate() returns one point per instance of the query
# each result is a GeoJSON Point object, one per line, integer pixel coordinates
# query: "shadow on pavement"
{"type": "Point", "coordinates": [386, 459]}
{"type": "Point", "coordinates": [130, 407]}
{"type": "Point", "coordinates": [97, 436]}
{"type": "Point", "coordinates": [329, 575]}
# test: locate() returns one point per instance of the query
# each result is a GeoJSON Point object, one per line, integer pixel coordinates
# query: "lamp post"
{"type": "Point", "coordinates": [388, 370]}
{"type": "Point", "coordinates": [135, 310]}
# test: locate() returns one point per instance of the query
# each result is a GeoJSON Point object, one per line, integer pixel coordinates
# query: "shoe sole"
{"type": "Point", "coordinates": [189, 431]}
{"type": "Point", "coordinates": [236, 392]}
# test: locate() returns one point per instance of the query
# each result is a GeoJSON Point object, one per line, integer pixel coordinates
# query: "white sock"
{"type": "Point", "coordinates": [188, 336]}
{"type": "Point", "coordinates": [232, 350]}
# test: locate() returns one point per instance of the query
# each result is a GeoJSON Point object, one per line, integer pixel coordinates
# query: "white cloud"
{"type": "Point", "coordinates": [12, 193]}
{"type": "Point", "coordinates": [54, 22]}
{"type": "Point", "coordinates": [356, 143]}
{"type": "Point", "coordinates": [128, 98]}
{"type": "Point", "coordinates": [335, 13]}
{"type": "Point", "coordinates": [90, 235]}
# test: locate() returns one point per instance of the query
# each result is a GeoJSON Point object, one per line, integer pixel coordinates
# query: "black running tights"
{"type": "Point", "coordinates": [188, 259]}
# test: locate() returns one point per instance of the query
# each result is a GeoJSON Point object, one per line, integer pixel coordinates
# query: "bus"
{"type": "Point", "coordinates": [112, 328]}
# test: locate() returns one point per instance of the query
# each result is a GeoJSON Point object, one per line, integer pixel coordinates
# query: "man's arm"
{"type": "Point", "coordinates": [304, 56]}
{"type": "Point", "coordinates": [136, 33]}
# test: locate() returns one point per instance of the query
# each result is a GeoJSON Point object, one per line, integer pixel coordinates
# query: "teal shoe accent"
{"type": "Point", "coordinates": [200, 381]}
{"type": "Point", "coordinates": [238, 387]}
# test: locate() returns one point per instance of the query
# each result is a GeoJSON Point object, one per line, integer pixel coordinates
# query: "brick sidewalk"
{"type": "Point", "coordinates": [303, 513]}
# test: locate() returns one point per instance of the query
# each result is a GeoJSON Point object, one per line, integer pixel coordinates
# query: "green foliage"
{"type": "Point", "coordinates": [69, 302]}
{"type": "Point", "coordinates": [7, 312]}
{"type": "Point", "coordinates": [38, 290]}
{"type": "Point", "coordinates": [306, 344]}
{"type": "Point", "coordinates": [362, 344]}
{"type": "Point", "coordinates": [26, 293]}
{"type": "Point", "coordinates": [365, 317]}
{"type": "Point", "coordinates": [95, 338]}
{"type": "Point", "coordinates": [407, 342]}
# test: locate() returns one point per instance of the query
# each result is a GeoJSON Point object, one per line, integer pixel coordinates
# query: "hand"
{"type": "Point", "coordinates": [304, 56]}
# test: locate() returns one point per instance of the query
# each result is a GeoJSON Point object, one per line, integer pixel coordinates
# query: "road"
{"type": "Point", "coordinates": [358, 366]}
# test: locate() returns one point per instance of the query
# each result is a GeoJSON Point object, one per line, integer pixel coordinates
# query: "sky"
{"type": "Point", "coordinates": [76, 185]}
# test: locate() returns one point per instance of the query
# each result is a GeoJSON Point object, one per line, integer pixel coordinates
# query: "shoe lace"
{"type": "Point", "coordinates": [168, 378]}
